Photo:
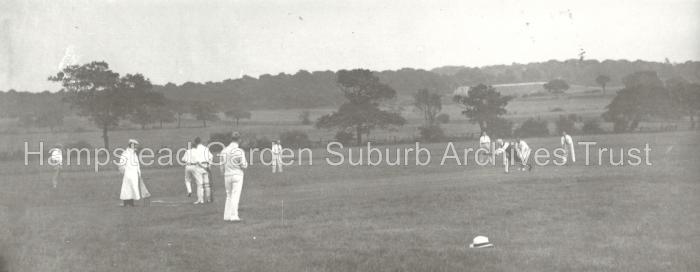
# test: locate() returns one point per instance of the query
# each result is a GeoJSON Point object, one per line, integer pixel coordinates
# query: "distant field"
{"type": "Point", "coordinates": [408, 218]}
{"type": "Point", "coordinates": [271, 123]}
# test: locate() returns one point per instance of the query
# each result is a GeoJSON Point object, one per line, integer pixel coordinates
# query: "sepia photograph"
{"type": "Point", "coordinates": [366, 135]}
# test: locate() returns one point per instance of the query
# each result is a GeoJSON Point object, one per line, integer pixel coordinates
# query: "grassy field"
{"type": "Point", "coordinates": [360, 218]}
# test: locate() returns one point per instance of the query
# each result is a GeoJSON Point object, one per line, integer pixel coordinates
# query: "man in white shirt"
{"type": "Point", "coordinates": [568, 145]}
{"type": "Point", "coordinates": [276, 156]}
{"type": "Point", "coordinates": [233, 162]}
{"type": "Point", "coordinates": [202, 159]}
{"type": "Point", "coordinates": [190, 168]}
{"type": "Point", "coordinates": [485, 144]}
{"type": "Point", "coordinates": [524, 153]}
{"type": "Point", "coordinates": [56, 160]}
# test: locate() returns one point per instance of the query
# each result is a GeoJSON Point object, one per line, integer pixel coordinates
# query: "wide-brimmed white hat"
{"type": "Point", "coordinates": [132, 141]}
{"type": "Point", "coordinates": [480, 242]}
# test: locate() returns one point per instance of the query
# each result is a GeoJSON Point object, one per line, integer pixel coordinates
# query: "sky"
{"type": "Point", "coordinates": [179, 41]}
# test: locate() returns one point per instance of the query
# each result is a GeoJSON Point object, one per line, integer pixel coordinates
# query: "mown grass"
{"type": "Point", "coordinates": [362, 218]}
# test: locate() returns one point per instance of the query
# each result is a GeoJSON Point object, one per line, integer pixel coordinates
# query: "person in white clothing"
{"type": "Point", "coordinates": [276, 156]}
{"type": "Point", "coordinates": [132, 185]}
{"type": "Point", "coordinates": [485, 144]}
{"type": "Point", "coordinates": [524, 152]}
{"type": "Point", "coordinates": [202, 159]}
{"type": "Point", "coordinates": [233, 162]}
{"type": "Point", "coordinates": [56, 160]}
{"type": "Point", "coordinates": [190, 168]}
{"type": "Point", "coordinates": [568, 145]}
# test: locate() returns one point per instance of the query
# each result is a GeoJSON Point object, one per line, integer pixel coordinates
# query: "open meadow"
{"type": "Point", "coordinates": [371, 218]}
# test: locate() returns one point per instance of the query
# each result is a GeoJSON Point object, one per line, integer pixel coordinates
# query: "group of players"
{"type": "Point", "coordinates": [517, 152]}
{"type": "Point", "coordinates": [232, 162]}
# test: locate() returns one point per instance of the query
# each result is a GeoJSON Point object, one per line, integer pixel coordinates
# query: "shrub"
{"type": "Point", "coordinates": [295, 139]}
{"type": "Point", "coordinates": [557, 110]}
{"type": "Point", "coordinates": [431, 133]}
{"type": "Point", "coordinates": [500, 128]}
{"type": "Point", "coordinates": [253, 141]}
{"type": "Point", "coordinates": [532, 128]}
{"type": "Point", "coordinates": [344, 137]}
{"type": "Point", "coordinates": [567, 124]}
{"type": "Point", "coordinates": [443, 118]}
{"type": "Point", "coordinates": [592, 127]}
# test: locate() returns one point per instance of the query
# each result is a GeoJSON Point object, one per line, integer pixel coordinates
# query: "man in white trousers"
{"type": "Point", "coordinates": [190, 168]}
{"type": "Point", "coordinates": [56, 160]}
{"type": "Point", "coordinates": [276, 156]}
{"type": "Point", "coordinates": [233, 162]}
{"type": "Point", "coordinates": [485, 144]}
{"type": "Point", "coordinates": [568, 145]}
{"type": "Point", "coordinates": [202, 159]}
{"type": "Point", "coordinates": [524, 152]}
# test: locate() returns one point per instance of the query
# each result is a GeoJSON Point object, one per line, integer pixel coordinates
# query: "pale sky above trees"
{"type": "Point", "coordinates": [179, 41]}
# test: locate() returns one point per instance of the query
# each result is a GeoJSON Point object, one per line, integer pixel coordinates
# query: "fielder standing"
{"type": "Point", "coordinates": [276, 156]}
{"type": "Point", "coordinates": [485, 144]}
{"type": "Point", "coordinates": [202, 158]}
{"type": "Point", "coordinates": [56, 160]}
{"type": "Point", "coordinates": [568, 145]}
{"type": "Point", "coordinates": [190, 168]}
{"type": "Point", "coordinates": [233, 163]}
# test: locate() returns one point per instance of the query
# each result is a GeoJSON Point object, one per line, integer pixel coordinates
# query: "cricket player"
{"type": "Point", "coordinates": [202, 159]}
{"type": "Point", "coordinates": [56, 160]}
{"type": "Point", "coordinates": [190, 168]}
{"type": "Point", "coordinates": [485, 144]}
{"type": "Point", "coordinates": [524, 152]}
{"type": "Point", "coordinates": [232, 165]}
{"type": "Point", "coordinates": [276, 156]}
{"type": "Point", "coordinates": [131, 168]}
{"type": "Point", "coordinates": [568, 145]}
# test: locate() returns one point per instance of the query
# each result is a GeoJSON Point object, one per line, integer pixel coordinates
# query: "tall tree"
{"type": "Point", "coordinates": [100, 94]}
{"type": "Point", "coordinates": [686, 96]}
{"type": "Point", "coordinates": [602, 80]}
{"type": "Point", "coordinates": [427, 103]}
{"type": "Point", "coordinates": [483, 105]}
{"type": "Point", "coordinates": [361, 112]}
{"type": "Point", "coordinates": [204, 111]}
{"type": "Point", "coordinates": [644, 95]}
{"type": "Point", "coordinates": [238, 113]}
{"type": "Point", "coordinates": [556, 86]}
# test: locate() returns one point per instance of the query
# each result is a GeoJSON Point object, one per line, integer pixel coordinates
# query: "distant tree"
{"type": "Point", "coordinates": [443, 118]}
{"type": "Point", "coordinates": [179, 108]}
{"type": "Point", "coordinates": [556, 86]}
{"type": "Point", "coordinates": [51, 117]}
{"type": "Point", "coordinates": [532, 128]}
{"type": "Point", "coordinates": [163, 114]}
{"type": "Point", "coordinates": [565, 123]}
{"type": "Point", "coordinates": [644, 95]}
{"type": "Point", "coordinates": [237, 114]}
{"type": "Point", "coordinates": [361, 112]}
{"type": "Point", "coordinates": [146, 112]}
{"type": "Point", "coordinates": [428, 104]}
{"type": "Point", "coordinates": [100, 94]}
{"type": "Point", "coordinates": [686, 97]}
{"type": "Point", "coordinates": [602, 80]}
{"type": "Point", "coordinates": [304, 117]}
{"type": "Point", "coordinates": [483, 104]}
{"type": "Point", "coordinates": [204, 111]}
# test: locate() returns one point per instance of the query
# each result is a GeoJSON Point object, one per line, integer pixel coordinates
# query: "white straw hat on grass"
{"type": "Point", "coordinates": [480, 242]}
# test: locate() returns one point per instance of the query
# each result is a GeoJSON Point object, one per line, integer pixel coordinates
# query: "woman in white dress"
{"type": "Point", "coordinates": [132, 185]}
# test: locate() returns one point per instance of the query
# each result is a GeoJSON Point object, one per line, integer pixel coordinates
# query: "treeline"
{"type": "Point", "coordinates": [319, 89]}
